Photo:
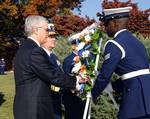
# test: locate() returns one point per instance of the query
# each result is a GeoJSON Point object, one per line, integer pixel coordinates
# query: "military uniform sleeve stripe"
{"type": "Point", "coordinates": [118, 45]}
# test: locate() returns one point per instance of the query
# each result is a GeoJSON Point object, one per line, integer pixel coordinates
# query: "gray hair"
{"type": "Point", "coordinates": [33, 21]}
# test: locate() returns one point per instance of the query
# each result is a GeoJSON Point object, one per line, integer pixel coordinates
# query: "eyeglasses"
{"type": "Point", "coordinates": [52, 36]}
{"type": "Point", "coordinates": [46, 29]}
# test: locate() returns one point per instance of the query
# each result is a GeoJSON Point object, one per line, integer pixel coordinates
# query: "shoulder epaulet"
{"type": "Point", "coordinates": [118, 45]}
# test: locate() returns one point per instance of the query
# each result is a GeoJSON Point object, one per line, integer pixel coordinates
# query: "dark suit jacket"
{"type": "Point", "coordinates": [33, 75]}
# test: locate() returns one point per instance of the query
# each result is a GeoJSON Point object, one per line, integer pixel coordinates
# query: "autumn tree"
{"type": "Point", "coordinates": [67, 25]}
{"type": "Point", "coordinates": [14, 12]}
{"type": "Point", "coordinates": [139, 20]}
{"type": "Point", "coordinates": [60, 13]}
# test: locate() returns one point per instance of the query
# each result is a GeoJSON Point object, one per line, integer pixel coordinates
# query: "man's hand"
{"type": "Point", "coordinates": [82, 79]}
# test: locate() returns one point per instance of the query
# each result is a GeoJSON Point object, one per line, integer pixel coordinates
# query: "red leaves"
{"type": "Point", "coordinates": [67, 25]}
{"type": "Point", "coordinates": [139, 21]}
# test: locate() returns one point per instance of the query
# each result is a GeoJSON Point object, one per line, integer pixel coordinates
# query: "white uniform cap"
{"type": "Point", "coordinates": [51, 29]}
{"type": "Point", "coordinates": [115, 13]}
{"type": "Point", "coordinates": [116, 10]}
{"type": "Point", "coordinates": [74, 38]}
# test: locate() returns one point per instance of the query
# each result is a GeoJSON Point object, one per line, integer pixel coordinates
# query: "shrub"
{"type": "Point", "coordinates": [146, 42]}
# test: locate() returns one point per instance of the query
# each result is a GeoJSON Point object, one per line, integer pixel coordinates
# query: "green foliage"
{"type": "Point", "coordinates": [63, 48]}
{"type": "Point", "coordinates": [95, 37]}
{"type": "Point", "coordinates": [104, 109]}
{"type": "Point", "coordinates": [146, 42]}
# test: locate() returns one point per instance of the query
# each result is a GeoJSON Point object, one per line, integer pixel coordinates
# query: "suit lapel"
{"type": "Point", "coordinates": [54, 60]}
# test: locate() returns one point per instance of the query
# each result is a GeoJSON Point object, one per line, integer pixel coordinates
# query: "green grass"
{"type": "Point", "coordinates": [7, 89]}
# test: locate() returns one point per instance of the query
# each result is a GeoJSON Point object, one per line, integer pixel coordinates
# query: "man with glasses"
{"type": "Point", "coordinates": [34, 73]}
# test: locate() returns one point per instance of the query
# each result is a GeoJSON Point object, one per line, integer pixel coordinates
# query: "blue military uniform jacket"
{"type": "Point", "coordinates": [125, 54]}
{"type": "Point", "coordinates": [55, 62]}
{"type": "Point", "coordinates": [56, 95]}
{"type": "Point", "coordinates": [68, 63]}
{"type": "Point", "coordinates": [74, 106]}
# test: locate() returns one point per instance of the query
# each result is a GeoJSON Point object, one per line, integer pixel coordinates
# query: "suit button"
{"type": "Point", "coordinates": [128, 89]}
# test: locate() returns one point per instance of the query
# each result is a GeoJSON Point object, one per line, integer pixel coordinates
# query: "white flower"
{"type": "Point", "coordinates": [87, 38]}
{"type": "Point", "coordinates": [92, 31]}
{"type": "Point", "coordinates": [80, 46]}
{"type": "Point", "coordinates": [85, 53]}
{"type": "Point", "coordinates": [76, 68]}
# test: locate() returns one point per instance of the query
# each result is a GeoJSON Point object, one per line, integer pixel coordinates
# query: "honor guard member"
{"type": "Point", "coordinates": [126, 56]}
{"type": "Point", "coordinates": [55, 90]}
{"type": "Point", "coordinates": [74, 106]}
{"type": "Point", "coordinates": [2, 66]}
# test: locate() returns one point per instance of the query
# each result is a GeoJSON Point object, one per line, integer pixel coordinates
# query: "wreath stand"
{"type": "Point", "coordinates": [108, 89]}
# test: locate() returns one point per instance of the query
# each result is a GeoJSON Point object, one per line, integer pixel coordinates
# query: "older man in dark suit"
{"type": "Point", "coordinates": [34, 73]}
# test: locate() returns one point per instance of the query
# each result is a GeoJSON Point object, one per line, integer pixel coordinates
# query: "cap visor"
{"type": "Point", "coordinates": [52, 33]}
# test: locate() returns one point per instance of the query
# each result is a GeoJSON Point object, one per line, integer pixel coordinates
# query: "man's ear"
{"type": "Point", "coordinates": [36, 31]}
